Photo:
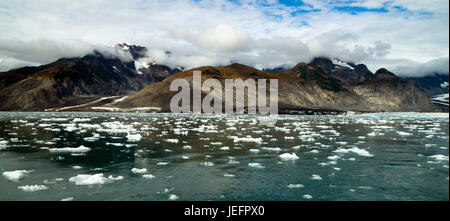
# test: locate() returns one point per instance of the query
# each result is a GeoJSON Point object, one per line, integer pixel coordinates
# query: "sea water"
{"type": "Point", "coordinates": [135, 156]}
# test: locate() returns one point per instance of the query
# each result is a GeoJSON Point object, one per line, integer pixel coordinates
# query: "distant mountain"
{"type": "Point", "coordinates": [95, 83]}
{"type": "Point", "coordinates": [432, 85]}
{"type": "Point", "coordinates": [72, 81]}
{"type": "Point", "coordinates": [321, 84]}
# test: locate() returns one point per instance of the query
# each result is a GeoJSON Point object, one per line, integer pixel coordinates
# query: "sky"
{"type": "Point", "coordinates": [408, 37]}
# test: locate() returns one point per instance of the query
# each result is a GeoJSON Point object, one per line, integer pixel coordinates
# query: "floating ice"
{"type": "Point", "coordinates": [292, 186]}
{"type": "Point", "coordinates": [173, 197]}
{"type": "Point", "coordinates": [207, 164]}
{"type": "Point", "coordinates": [246, 139]}
{"type": "Point", "coordinates": [254, 150]}
{"type": "Point", "coordinates": [87, 179]}
{"type": "Point", "coordinates": [316, 177]}
{"type": "Point", "coordinates": [335, 157]}
{"type": "Point", "coordinates": [80, 150]}
{"type": "Point", "coordinates": [148, 176]}
{"type": "Point", "coordinates": [256, 165]}
{"type": "Point", "coordinates": [138, 171]}
{"type": "Point", "coordinates": [162, 163]}
{"type": "Point", "coordinates": [401, 133]}
{"type": "Point", "coordinates": [68, 199]}
{"type": "Point", "coordinates": [355, 150]}
{"type": "Point", "coordinates": [77, 167]}
{"type": "Point", "coordinates": [439, 157]}
{"type": "Point", "coordinates": [33, 188]}
{"type": "Point", "coordinates": [229, 175]}
{"type": "Point", "coordinates": [16, 175]}
{"type": "Point", "coordinates": [94, 138]}
{"type": "Point", "coordinates": [274, 149]}
{"type": "Point", "coordinates": [172, 140]}
{"type": "Point", "coordinates": [224, 148]}
{"type": "Point", "coordinates": [77, 120]}
{"type": "Point", "coordinates": [307, 196]}
{"type": "Point", "coordinates": [313, 151]}
{"type": "Point", "coordinates": [134, 137]}
{"type": "Point", "coordinates": [289, 156]}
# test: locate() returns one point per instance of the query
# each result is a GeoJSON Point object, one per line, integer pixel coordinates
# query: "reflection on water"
{"type": "Point", "coordinates": [107, 156]}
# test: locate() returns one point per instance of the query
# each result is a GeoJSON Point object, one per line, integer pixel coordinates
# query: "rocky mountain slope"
{"type": "Point", "coordinates": [321, 84]}
{"type": "Point", "coordinates": [74, 81]}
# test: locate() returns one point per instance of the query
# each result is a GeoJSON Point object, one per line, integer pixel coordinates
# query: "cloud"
{"type": "Point", "coordinates": [264, 34]}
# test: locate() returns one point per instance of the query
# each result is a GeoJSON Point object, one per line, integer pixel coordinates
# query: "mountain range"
{"type": "Point", "coordinates": [99, 83]}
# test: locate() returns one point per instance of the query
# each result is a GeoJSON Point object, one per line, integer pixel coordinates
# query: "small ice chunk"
{"type": "Point", "coordinates": [355, 150]}
{"type": "Point", "coordinates": [172, 140]}
{"type": "Point", "coordinates": [173, 197]}
{"type": "Point", "coordinates": [289, 156]}
{"type": "Point", "coordinates": [256, 165]}
{"type": "Point", "coordinates": [316, 177]}
{"type": "Point", "coordinates": [16, 175]}
{"type": "Point", "coordinates": [254, 150]}
{"type": "Point", "coordinates": [95, 179]}
{"type": "Point", "coordinates": [81, 149]}
{"type": "Point", "coordinates": [229, 175]}
{"type": "Point", "coordinates": [439, 157]}
{"type": "Point", "coordinates": [307, 196]}
{"type": "Point", "coordinates": [148, 176]}
{"type": "Point", "coordinates": [33, 188]}
{"type": "Point", "coordinates": [401, 133]}
{"type": "Point", "coordinates": [134, 137]}
{"type": "Point", "coordinates": [139, 171]}
{"type": "Point", "coordinates": [292, 186]}
{"type": "Point", "coordinates": [67, 199]}
{"type": "Point", "coordinates": [225, 148]}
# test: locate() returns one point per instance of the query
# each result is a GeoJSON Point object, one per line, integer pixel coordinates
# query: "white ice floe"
{"type": "Point", "coordinates": [172, 140]}
{"type": "Point", "coordinates": [94, 138]}
{"type": "Point", "coordinates": [256, 165]}
{"type": "Point", "coordinates": [79, 120]}
{"type": "Point", "coordinates": [316, 177]}
{"type": "Point", "coordinates": [77, 150]}
{"type": "Point", "coordinates": [274, 149]}
{"type": "Point", "coordinates": [134, 137]}
{"type": "Point", "coordinates": [95, 179]}
{"type": "Point", "coordinates": [148, 176]}
{"type": "Point", "coordinates": [334, 157]}
{"type": "Point", "coordinates": [355, 150]}
{"type": "Point", "coordinates": [292, 186]}
{"type": "Point", "coordinates": [139, 171]}
{"type": "Point", "coordinates": [229, 175]}
{"type": "Point", "coordinates": [246, 139]}
{"type": "Point", "coordinates": [162, 163]}
{"type": "Point", "coordinates": [207, 164]}
{"type": "Point", "coordinates": [313, 151]}
{"type": "Point", "coordinates": [307, 196]}
{"type": "Point", "coordinates": [439, 157]}
{"type": "Point", "coordinates": [33, 188]}
{"type": "Point", "coordinates": [173, 197]}
{"type": "Point", "coordinates": [16, 175]}
{"type": "Point", "coordinates": [254, 150]}
{"type": "Point", "coordinates": [77, 167]}
{"type": "Point", "coordinates": [68, 199]}
{"type": "Point", "coordinates": [3, 144]}
{"type": "Point", "coordinates": [401, 133]}
{"type": "Point", "coordinates": [224, 148]}
{"type": "Point", "coordinates": [289, 156]}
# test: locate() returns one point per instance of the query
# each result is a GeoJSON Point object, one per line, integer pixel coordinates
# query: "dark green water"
{"type": "Point", "coordinates": [371, 157]}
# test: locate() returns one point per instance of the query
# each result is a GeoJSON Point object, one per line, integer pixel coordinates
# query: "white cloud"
{"type": "Point", "coordinates": [257, 33]}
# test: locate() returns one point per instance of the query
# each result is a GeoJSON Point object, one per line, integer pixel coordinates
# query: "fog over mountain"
{"type": "Point", "coordinates": [408, 37]}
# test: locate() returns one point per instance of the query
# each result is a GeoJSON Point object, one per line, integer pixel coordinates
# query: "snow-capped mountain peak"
{"type": "Point", "coordinates": [341, 63]}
